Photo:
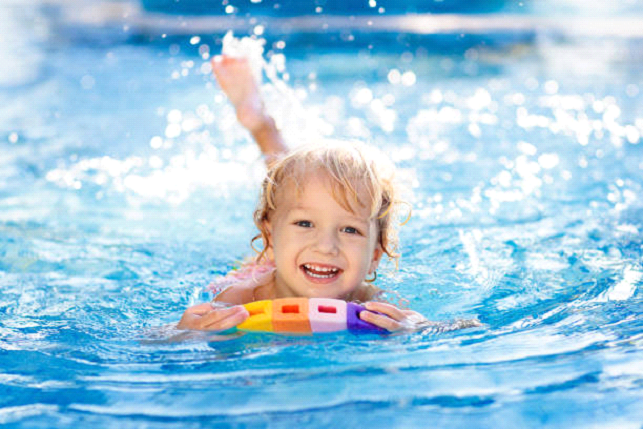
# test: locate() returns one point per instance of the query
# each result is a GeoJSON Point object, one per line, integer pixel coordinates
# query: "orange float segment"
{"type": "Point", "coordinates": [260, 317]}
{"type": "Point", "coordinates": [291, 315]}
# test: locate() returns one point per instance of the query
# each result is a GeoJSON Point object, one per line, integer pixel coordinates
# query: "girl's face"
{"type": "Point", "coordinates": [321, 250]}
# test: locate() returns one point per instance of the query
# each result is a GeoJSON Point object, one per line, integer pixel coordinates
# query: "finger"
{"type": "Point", "coordinates": [381, 321]}
{"type": "Point", "coordinates": [200, 309]}
{"type": "Point", "coordinates": [388, 309]}
{"type": "Point", "coordinates": [188, 321]}
{"type": "Point", "coordinates": [219, 318]}
{"type": "Point", "coordinates": [230, 322]}
{"type": "Point", "coordinates": [216, 314]}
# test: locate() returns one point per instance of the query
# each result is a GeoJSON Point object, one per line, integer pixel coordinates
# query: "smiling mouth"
{"type": "Point", "coordinates": [320, 272]}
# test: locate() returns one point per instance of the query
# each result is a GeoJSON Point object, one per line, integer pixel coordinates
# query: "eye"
{"type": "Point", "coordinates": [351, 230]}
{"type": "Point", "coordinates": [304, 223]}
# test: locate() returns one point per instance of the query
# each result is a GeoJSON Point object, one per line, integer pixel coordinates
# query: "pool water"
{"type": "Point", "coordinates": [126, 186]}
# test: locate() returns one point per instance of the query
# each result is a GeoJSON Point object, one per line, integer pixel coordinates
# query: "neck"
{"type": "Point", "coordinates": [280, 289]}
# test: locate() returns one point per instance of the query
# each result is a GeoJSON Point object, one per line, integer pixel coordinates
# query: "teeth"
{"type": "Point", "coordinates": [320, 269]}
{"type": "Point", "coordinates": [320, 276]}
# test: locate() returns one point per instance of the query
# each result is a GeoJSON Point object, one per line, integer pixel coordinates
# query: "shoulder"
{"type": "Point", "coordinates": [366, 292]}
{"type": "Point", "coordinates": [235, 294]}
{"type": "Point", "coordinates": [238, 286]}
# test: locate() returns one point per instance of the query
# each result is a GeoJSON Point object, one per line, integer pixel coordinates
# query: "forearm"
{"type": "Point", "coordinates": [269, 140]}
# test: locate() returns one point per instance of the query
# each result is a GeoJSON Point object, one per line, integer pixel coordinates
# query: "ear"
{"type": "Point", "coordinates": [268, 227]}
{"type": "Point", "coordinates": [377, 256]}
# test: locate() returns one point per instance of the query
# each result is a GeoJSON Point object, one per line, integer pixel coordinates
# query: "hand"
{"type": "Point", "coordinates": [234, 76]}
{"type": "Point", "coordinates": [204, 317]}
{"type": "Point", "coordinates": [392, 319]}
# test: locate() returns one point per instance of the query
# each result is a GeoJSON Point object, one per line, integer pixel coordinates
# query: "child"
{"type": "Point", "coordinates": [325, 216]}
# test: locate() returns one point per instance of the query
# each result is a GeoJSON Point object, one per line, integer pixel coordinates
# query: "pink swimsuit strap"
{"type": "Point", "coordinates": [249, 271]}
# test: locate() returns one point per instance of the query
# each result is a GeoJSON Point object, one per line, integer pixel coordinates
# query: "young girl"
{"type": "Point", "coordinates": [326, 216]}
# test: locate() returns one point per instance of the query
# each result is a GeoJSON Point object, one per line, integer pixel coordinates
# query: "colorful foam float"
{"type": "Point", "coordinates": [306, 316]}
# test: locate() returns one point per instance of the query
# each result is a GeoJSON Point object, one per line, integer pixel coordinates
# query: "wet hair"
{"type": "Point", "coordinates": [358, 174]}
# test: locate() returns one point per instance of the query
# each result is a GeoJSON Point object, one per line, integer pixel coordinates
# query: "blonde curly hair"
{"type": "Point", "coordinates": [357, 173]}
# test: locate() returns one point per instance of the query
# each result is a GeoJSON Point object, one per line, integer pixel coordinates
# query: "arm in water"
{"type": "Point", "coordinates": [395, 319]}
{"type": "Point", "coordinates": [210, 318]}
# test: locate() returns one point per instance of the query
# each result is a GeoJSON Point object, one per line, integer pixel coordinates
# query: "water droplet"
{"type": "Point", "coordinates": [548, 160]}
{"type": "Point", "coordinates": [204, 49]}
{"type": "Point", "coordinates": [172, 131]}
{"type": "Point", "coordinates": [632, 134]}
{"type": "Point", "coordinates": [527, 148]}
{"type": "Point", "coordinates": [363, 96]}
{"type": "Point", "coordinates": [388, 99]}
{"type": "Point", "coordinates": [551, 87]}
{"type": "Point", "coordinates": [408, 78]}
{"type": "Point", "coordinates": [174, 116]}
{"type": "Point", "coordinates": [156, 142]}
{"type": "Point", "coordinates": [87, 82]}
{"type": "Point", "coordinates": [475, 131]}
{"type": "Point", "coordinates": [394, 76]}
{"type": "Point", "coordinates": [206, 67]}
{"type": "Point", "coordinates": [518, 99]}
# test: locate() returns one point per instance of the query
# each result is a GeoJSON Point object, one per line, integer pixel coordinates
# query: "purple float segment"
{"type": "Point", "coordinates": [327, 315]}
{"type": "Point", "coordinates": [357, 325]}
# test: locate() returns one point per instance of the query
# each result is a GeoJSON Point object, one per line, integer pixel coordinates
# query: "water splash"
{"type": "Point", "coordinates": [194, 150]}
{"type": "Point", "coordinates": [298, 124]}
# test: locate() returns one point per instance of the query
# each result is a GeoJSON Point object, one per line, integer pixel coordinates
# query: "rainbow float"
{"type": "Point", "coordinates": [306, 316]}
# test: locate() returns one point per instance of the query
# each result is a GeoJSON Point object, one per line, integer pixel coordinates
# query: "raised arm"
{"type": "Point", "coordinates": [235, 79]}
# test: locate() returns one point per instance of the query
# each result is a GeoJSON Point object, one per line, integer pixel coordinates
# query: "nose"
{"type": "Point", "coordinates": [327, 242]}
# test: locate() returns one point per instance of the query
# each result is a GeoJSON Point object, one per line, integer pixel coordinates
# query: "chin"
{"type": "Point", "coordinates": [323, 294]}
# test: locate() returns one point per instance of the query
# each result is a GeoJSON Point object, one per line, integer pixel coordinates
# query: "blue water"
{"type": "Point", "coordinates": [311, 7]}
{"type": "Point", "coordinates": [126, 187]}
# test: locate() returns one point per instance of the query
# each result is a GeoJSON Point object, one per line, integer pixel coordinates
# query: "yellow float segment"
{"type": "Point", "coordinates": [260, 317]}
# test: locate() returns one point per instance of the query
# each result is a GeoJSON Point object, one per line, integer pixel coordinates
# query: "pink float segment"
{"type": "Point", "coordinates": [327, 315]}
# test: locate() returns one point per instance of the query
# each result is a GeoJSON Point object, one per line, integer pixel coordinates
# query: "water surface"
{"type": "Point", "coordinates": [126, 186]}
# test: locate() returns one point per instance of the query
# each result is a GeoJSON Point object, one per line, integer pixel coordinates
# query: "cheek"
{"type": "Point", "coordinates": [284, 243]}
{"type": "Point", "coordinates": [360, 251]}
